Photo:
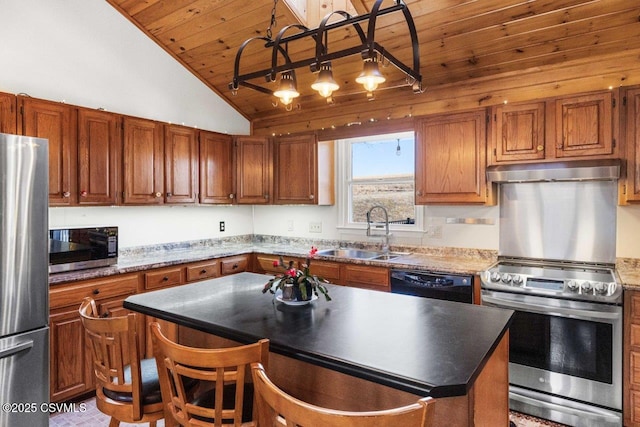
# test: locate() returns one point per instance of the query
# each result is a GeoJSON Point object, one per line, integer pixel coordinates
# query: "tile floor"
{"type": "Point", "coordinates": [88, 415]}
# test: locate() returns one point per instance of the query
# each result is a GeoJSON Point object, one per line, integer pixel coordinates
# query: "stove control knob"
{"type": "Point", "coordinates": [572, 285]}
{"type": "Point", "coordinates": [517, 280]}
{"type": "Point", "coordinates": [586, 286]}
{"type": "Point", "coordinates": [506, 278]}
{"type": "Point", "coordinates": [600, 287]}
{"type": "Point", "coordinates": [495, 276]}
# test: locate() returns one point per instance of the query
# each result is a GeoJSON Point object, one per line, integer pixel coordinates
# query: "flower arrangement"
{"type": "Point", "coordinates": [301, 282]}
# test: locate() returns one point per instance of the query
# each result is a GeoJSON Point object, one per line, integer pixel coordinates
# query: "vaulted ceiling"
{"type": "Point", "coordinates": [473, 53]}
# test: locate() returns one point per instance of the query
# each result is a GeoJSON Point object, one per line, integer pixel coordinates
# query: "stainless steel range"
{"type": "Point", "coordinates": [556, 270]}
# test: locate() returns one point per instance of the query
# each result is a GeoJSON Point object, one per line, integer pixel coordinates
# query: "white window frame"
{"type": "Point", "coordinates": [345, 179]}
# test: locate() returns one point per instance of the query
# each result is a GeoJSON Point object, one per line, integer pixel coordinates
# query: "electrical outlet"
{"type": "Point", "coordinates": [434, 231]}
{"type": "Point", "coordinates": [290, 225]}
{"type": "Point", "coordinates": [222, 227]}
{"type": "Point", "coordinates": [315, 227]}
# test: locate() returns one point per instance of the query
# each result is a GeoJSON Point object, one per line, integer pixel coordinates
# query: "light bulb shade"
{"type": "Point", "coordinates": [370, 77]}
{"type": "Point", "coordinates": [287, 89]}
{"type": "Point", "coordinates": [325, 84]}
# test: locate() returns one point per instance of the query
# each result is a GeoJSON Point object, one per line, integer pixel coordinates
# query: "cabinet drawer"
{"type": "Point", "coordinates": [634, 374]}
{"type": "Point", "coordinates": [635, 306]}
{"type": "Point", "coordinates": [266, 263]}
{"type": "Point", "coordinates": [165, 277]}
{"type": "Point", "coordinates": [202, 270]}
{"type": "Point", "coordinates": [236, 264]}
{"type": "Point", "coordinates": [327, 270]}
{"type": "Point", "coordinates": [367, 277]}
{"type": "Point", "coordinates": [72, 294]}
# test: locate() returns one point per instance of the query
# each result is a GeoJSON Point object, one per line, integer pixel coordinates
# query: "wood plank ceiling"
{"type": "Point", "coordinates": [473, 53]}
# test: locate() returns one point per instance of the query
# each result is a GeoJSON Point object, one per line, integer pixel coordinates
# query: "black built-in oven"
{"type": "Point", "coordinates": [450, 287]}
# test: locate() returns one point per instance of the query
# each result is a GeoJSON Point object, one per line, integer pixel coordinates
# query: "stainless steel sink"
{"type": "Point", "coordinates": [349, 253]}
{"type": "Point", "coordinates": [361, 254]}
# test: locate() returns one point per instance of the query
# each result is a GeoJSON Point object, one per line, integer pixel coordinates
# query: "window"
{"type": "Point", "coordinates": [379, 170]}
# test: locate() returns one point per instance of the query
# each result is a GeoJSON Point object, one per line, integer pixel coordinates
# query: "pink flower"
{"type": "Point", "coordinates": [312, 252]}
{"type": "Point", "coordinates": [292, 272]}
{"type": "Point", "coordinates": [276, 263]}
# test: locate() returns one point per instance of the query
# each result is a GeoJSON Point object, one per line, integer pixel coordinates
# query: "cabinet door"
{"type": "Point", "coordinates": [518, 133]}
{"type": "Point", "coordinates": [143, 162]}
{"type": "Point", "coordinates": [632, 193]}
{"type": "Point", "coordinates": [99, 141]}
{"type": "Point", "coordinates": [181, 164]}
{"type": "Point", "coordinates": [8, 116]}
{"type": "Point", "coordinates": [253, 170]}
{"type": "Point", "coordinates": [295, 178]}
{"type": "Point", "coordinates": [216, 168]}
{"type": "Point", "coordinates": [70, 358]}
{"type": "Point", "coordinates": [584, 125]}
{"type": "Point", "coordinates": [450, 158]}
{"type": "Point", "coordinates": [57, 123]}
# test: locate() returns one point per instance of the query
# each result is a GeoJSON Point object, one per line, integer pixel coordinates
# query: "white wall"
{"type": "Point", "coordinates": [85, 53]}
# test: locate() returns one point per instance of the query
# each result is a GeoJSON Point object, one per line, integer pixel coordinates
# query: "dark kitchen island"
{"type": "Point", "coordinates": [364, 350]}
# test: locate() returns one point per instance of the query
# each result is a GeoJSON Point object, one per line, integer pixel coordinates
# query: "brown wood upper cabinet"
{"type": "Point", "coordinates": [58, 123]}
{"type": "Point", "coordinates": [216, 168]}
{"type": "Point", "coordinates": [303, 171]}
{"type": "Point", "coordinates": [8, 115]}
{"type": "Point", "coordinates": [518, 132]}
{"type": "Point", "coordinates": [567, 128]}
{"type": "Point", "coordinates": [450, 158]}
{"type": "Point", "coordinates": [143, 181]}
{"type": "Point", "coordinates": [631, 190]}
{"type": "Point", "coordinates": [180, 164]}
{"type": "Point", "coordinates": [253, 170]}
{"type": "Point", "coordinates": [99, 149]}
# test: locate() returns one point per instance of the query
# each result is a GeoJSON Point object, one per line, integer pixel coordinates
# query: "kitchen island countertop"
{"type": "Point", "coordinates": [418, 345]}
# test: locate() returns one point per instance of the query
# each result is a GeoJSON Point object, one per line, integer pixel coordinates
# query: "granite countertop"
{"type": "Point", "coordinates": [420, 345]}
{"type": "Point", "coordinates": [449, 260]}
{"type": "Point", "coordinates": [435, 259]}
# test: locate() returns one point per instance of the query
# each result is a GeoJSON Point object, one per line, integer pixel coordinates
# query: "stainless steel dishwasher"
{"type": "Point", "coordinates": [450, 287]}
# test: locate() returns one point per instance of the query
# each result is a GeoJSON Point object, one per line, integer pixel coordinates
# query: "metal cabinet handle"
{"type": "Point", "coordinates": [96, 291]}
{"type": "Point", "coordinates": [10, 351]}
{"type": "Point", "coordinates": [539, 148]}
{"type": "Point", "coordinates": [165, 279]}
{"type": "Point", "coordinates": [266, 196]}
{"type": "Point", "coordinates": [311, 196]}
{"type": "Point", "coordinates": [203, 271]}
{"type": "Point", "coordinates": [66, 194]}
{"type": "Point", "coordinates": [169, 194]}
{"type": "Point", "coordinates": [234, 266]}
{"type": "Point", "coordinates": [83, 193]}
{"type": "Point", "coordinates": [158, 194]}
{"type": "Point", "coordinates": [231, 196]}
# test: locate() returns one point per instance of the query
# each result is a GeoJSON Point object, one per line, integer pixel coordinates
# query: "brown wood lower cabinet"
{"type": "Point", "coordinates": [70, 357]}
{"type": "Point", "coordinates": [338, 273]}
{"type": "Point", "coordinates": [631, 367]}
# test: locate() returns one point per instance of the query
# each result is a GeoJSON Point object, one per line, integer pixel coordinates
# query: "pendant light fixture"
{"type": "Point", "coordinates": [370, 51]}
{"type": "Point", "coordinates": [325, 84]}
{"type": "Point", "coordinates": [287, 89]}
{"type": "Point", "coordinates": [370, 77]}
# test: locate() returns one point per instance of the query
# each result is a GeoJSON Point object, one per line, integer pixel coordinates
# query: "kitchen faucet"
{"type": "Point", "coordinates": [385, 248]}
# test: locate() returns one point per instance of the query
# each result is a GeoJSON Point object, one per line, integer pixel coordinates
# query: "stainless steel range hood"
{"type": "Point", "coordinates": [560, 171]}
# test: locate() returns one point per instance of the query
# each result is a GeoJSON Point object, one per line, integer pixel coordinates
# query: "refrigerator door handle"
{"type": "Point", "coordinates": [14, 349]}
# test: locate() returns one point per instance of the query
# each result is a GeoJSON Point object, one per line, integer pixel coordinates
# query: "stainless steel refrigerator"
{"type": "Point", "coordinates": [24, 294]}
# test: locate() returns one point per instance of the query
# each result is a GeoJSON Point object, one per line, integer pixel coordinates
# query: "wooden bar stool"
{"type": "Point", "coordinates": [277, 408]}
{"type": "Point", "coordinates": [127, 388]}
{"type": "Point", "coordinates": [224, 397]}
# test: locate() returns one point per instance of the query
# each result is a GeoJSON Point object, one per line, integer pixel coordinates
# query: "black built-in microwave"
{"type": "Point", "coordinates": [81, 248]}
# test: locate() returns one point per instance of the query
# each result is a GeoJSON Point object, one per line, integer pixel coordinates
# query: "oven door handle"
{"type": "Point", "coordinates": [545, 309]}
